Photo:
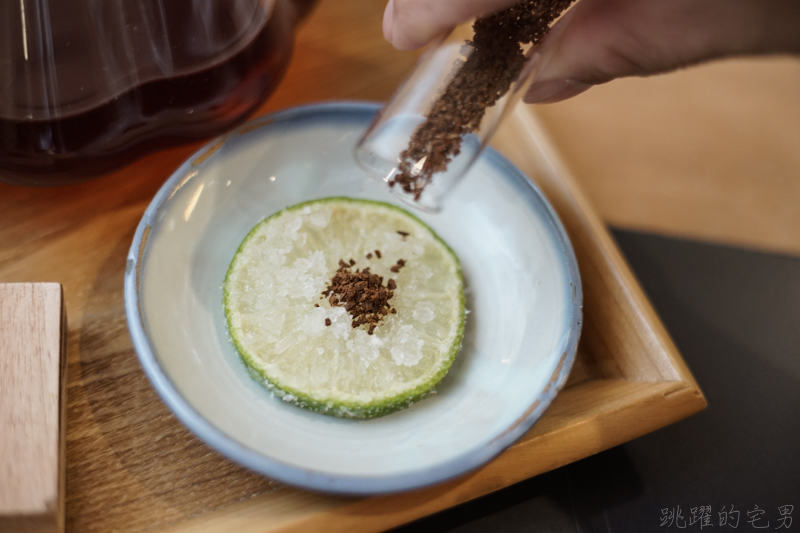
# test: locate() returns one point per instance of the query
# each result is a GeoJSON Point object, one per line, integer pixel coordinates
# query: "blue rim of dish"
{"type": "Point", "coordinates": [302, 477]}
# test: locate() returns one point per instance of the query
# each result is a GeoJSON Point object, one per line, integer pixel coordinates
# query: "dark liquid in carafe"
{"type": "Point", "coordinates": [153, 115]}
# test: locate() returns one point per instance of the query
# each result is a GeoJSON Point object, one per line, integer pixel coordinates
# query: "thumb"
{"type": "Point", "coordinates": [600, 40]}
{"type": "Point", "coordinates": [410, 24]}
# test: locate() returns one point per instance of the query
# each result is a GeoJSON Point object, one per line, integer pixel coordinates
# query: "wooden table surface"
{"type": "Point", "coordinates": [709, 153]}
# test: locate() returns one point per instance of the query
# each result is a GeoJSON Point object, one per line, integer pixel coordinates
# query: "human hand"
{"type": "Point", "coordinates": [597, 41]}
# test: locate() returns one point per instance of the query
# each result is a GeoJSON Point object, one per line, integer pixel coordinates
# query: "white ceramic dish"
{"type": "Point", "coordinates": [523, 293]}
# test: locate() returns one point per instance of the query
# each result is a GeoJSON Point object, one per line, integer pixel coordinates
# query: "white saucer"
{"type": "Point", "coordinates": [523, 294]}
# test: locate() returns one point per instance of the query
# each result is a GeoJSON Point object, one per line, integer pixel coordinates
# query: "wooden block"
{"type": "Point", "coordinates": [32, 407]}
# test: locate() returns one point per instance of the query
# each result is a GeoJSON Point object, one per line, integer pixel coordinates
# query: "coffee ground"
{"type": "Point", "coordinates": [400, 264]}
{"type": "Point", "coordinates": [479, 82]}
{"type": "Point", "coordinates": [362, 294]}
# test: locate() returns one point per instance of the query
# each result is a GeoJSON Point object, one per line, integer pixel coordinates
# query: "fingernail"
{"type": "Point", "coordinates": [548, 92]}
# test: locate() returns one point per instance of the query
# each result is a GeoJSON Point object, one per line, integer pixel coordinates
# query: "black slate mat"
{"type": "Point", "coordinates": [735, 317]}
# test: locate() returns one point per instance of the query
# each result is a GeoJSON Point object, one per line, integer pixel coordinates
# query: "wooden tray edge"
{"type": "Point", "coordinates": [568, 198]}
{"type": "Point", "coordinates": [607, 406]}
{"type": "Point", "coordinates": [652, 403]}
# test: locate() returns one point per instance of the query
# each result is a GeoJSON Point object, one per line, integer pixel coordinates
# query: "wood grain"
{"type": "Point", "coordinates": [133, 467]}
{"type": "Point", "coordinates": [130, 465]}
{"type": "Point", "coordinates": [32, 407]}
{"type": "Point", "coordinates": [592, 416]}
{"type": "Point", "coordinates": [705, 153]}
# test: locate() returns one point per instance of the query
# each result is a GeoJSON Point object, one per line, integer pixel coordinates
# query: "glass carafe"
{"type": "Point", "coordinates": [88, 85]}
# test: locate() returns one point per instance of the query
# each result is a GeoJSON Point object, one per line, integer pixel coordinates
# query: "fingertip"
{"type": "Point", "coordinates": [550, 92]}
{"type": "Point", "coordinates": [410, 25]}
{"type": "Point", "coordinates": [388, 21]}
{"type": "Point", "coordinates": [405, 43]}
{"type": "Point", "coordinates": [399, 38]}
{"type": "Point", "coordinates": [402, 39]}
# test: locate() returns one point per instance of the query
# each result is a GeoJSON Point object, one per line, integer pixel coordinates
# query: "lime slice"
{"type": "Point", "coordinates": [302, 344]}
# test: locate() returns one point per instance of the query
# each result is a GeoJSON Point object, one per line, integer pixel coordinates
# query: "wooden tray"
{"type": "Point", "coordinates": [132, 467]}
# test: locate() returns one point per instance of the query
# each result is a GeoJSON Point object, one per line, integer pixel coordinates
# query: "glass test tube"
{"type": "Point", "coordinates": [444, 96]}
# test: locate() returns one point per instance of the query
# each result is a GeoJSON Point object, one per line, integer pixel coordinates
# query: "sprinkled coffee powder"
{"type": "Point", "coordinates": [479, 82]}
{"type": "Point", "coordinates": [362, 294]}
{"type": "Point", "coordinates": [400, 264]}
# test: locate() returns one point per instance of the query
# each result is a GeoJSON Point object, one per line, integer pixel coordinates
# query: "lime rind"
{"type": "Point", "coordinates": [339, 407]}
